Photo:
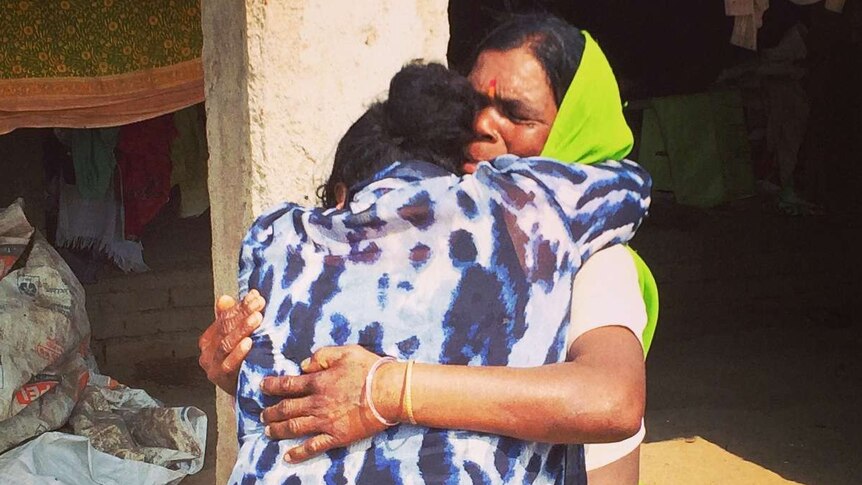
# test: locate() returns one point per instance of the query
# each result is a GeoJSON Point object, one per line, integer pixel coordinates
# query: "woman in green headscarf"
{"type": "Point", "coordinates": [554, 94]}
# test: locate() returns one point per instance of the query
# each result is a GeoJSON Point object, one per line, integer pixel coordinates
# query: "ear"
{"type": "Point", "coordinates": [340, 195]}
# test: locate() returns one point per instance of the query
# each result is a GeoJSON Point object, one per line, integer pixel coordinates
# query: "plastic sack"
{"type": "Point", "coordinates": [49, 411]}
{"type": "Point", "coordinates": [66, 459]}
{"type": "Point", "coordinates": [44, 334]}
{"type": "Point", "coordinates": [129, 424]}
{"type": "Point", "coordinates": [15, 233]}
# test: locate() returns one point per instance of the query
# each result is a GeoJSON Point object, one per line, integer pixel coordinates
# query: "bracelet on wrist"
{"type": "Point", "coordinates": [407, 403]}
{"type": "Point", "coordinates": [369, 383]}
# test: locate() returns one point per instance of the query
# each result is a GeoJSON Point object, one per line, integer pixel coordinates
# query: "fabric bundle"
{"type": "Point", "coordinates": [189, 156]}
{"type": "Point", "coordinates": [144, 158]}
{"type": "Point", "coordinates": [748, 18]}
{"type": "Point", "coordinates": [97, 224]}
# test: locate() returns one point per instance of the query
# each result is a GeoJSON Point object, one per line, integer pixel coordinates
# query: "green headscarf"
{"type": "Point", "coordinates": [589, 128]}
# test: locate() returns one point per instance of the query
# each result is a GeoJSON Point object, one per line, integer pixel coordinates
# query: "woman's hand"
{"type": "Point", "coordinates": [226, 342]}
{"type": "Point", "coordinates": [327, 401]}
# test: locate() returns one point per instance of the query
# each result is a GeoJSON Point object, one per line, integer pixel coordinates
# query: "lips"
{"type": "Point", "coordinates": [482, 150]}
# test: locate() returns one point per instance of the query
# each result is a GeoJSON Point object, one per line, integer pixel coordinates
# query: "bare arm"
{"type": "Point", "coordinates": [597, 397]}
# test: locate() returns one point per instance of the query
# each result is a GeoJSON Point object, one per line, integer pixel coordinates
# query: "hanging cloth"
{"type": "Point", "coordinates": [88, 63]}
{"type": "Point", "coordinates": [836, 6]}
{"type": "Point", "coordinates": [697, 146]}
{"type": "Point", "coordinates": [590, 128]}
{"type": "Point", "coordinates": [143, 155]}
{"type": "Point", "coordinates": [189, 156]}
{"type": "Point", "coordinates": [93, 158]}
{"type": "Point", "coordinates": [96, 224]}
{"type": "Point", "coordinates": [748, 18]}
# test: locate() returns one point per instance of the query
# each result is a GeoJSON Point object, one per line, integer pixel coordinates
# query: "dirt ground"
{"type": "Point", "coordinates": [757, 349]}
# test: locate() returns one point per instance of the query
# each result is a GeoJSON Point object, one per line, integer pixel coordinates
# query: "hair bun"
{"type": "Point", "coordinates": [428, 103]}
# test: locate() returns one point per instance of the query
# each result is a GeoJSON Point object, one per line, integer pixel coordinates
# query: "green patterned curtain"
{"type": "Point", "coordinates": [85, 63]}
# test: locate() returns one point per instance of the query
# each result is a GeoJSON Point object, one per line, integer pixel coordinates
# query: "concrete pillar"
{"type": "Point", "coordinates": [284, 80]}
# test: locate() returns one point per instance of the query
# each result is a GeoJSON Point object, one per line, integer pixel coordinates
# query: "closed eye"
{"type": "Point", "coordinates": [515, 110]}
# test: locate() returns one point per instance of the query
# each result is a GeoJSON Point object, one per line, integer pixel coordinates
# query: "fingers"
{"type": "Point", "coordinates": [322, 359]}
{"type": "Point", "coordinates": [253, 302]}
{"type": "Point", "coordinates": [224, 303]}
{"type": "Point", "coordinates": [239, 314]}
{"type": "Point", "coordinates": [206, 337]}
{"type": "Point", "coordinates": [292, 428]}
{"type": "Point", "coordinates": [233, 361]}
{"type": "Point", "coordinates": [287, 409]}
{"type": "Point", "coordinates": [229, 343]}
{"type": "Point", "coordinates": [287, 386]}
{"type": "Point", "coordinates": [216, 328]}
{"type": "Point", "coordinates": [230, 313]}
{"type": "Point", "coordinates": [310, 448]}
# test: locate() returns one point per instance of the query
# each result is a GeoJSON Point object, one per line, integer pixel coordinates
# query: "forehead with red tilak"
{"type": "Point", "coordinates": [492, 88]}
{"type": "Point", "coordinates": [514, 74]}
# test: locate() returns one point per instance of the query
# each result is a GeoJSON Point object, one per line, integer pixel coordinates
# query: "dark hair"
{"type": "Point", "coordinates": [557, 45]}
{"type": "Point", "coordinates": [428, 116]}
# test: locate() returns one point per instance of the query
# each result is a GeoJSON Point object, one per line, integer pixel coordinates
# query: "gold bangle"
{"type": "Point", "coordinates": [408, 395]}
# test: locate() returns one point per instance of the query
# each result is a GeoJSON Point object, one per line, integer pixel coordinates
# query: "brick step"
{"type": "Point", "coordinates": [180, 277]}
{"type": "Point", "coordinates": [135, 305]}
{"type": "Point", "coordinates": [124, 351]}
{"type": "Point", "coordinates": [151, 322]}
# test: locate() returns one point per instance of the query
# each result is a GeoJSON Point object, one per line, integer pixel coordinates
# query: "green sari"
{"type": "Point", "coordinates": [590, 128]}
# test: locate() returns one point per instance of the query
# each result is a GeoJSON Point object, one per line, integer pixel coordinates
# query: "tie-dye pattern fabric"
{"type": "Point", "coordinates": [424, 265]}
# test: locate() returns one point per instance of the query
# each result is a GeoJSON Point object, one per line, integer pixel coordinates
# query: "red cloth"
{"type": "Point", "coordinates": [144, 159]}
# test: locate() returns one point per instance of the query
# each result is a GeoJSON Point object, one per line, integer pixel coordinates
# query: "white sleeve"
{"type": "Point", "coordinates": [599, 455]}
{"type": "Point", "coordinates": [606, 292]}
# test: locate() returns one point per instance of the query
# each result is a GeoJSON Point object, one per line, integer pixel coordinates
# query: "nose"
{"type": "Point", "coordinates": [489, 141]}
{"type": "Point", "coordinates": [487, 125]}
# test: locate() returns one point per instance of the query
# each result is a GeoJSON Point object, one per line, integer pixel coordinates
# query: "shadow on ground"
{"type": "Point", "coordinates": [757, 348]}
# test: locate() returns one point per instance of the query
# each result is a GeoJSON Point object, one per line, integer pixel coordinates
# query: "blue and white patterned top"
{"type": "Point", "coordinates": [425, 265]}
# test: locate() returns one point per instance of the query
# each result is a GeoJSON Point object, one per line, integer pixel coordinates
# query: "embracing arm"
{"type": "Point", "coordinates": [226, 342]}
{"type": "Point", "coordinates": [597, 397]}
{"type": "Point", "coordinates": [603, 203]}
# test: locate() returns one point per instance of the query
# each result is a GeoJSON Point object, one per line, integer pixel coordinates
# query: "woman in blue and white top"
{"type": "Point", "coordinates": [427, 266]}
